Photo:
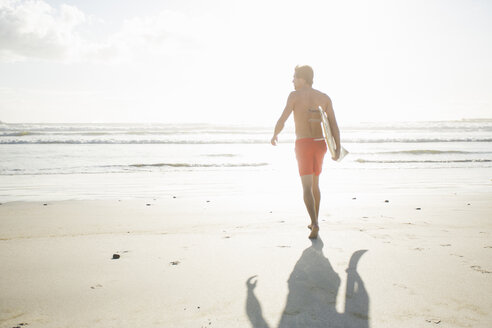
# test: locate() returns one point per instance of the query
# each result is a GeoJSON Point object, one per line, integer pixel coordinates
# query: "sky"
{"type": "Point", "coordinates": [220, 61]}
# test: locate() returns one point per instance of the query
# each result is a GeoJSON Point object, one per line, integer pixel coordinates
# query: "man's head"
{"type": "Point", "coordinates": [303, 75]}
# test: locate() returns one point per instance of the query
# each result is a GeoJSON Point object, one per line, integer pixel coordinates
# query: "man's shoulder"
{"type": "Point", "coordinates": [293, 95]}
{"type": "Point", "coordinates": [321, 93]}
{"type": "Point", "coordinates": [309, 93]}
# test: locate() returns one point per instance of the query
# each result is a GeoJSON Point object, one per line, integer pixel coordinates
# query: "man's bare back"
{"type": "Point", "coordinates": [306, 116]}
{"type": "Point", "coordinates": [304, 103]}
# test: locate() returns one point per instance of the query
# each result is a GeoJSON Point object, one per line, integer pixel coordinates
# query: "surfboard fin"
{"type": "Point", "coordinates": [343, 152]}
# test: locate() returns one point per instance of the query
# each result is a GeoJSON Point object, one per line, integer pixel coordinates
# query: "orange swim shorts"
{"type": "Point", "coordinates": [310, 153]}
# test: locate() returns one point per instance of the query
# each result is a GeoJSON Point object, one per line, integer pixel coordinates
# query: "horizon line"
{"type": "Point", "coordinates": [471, 119]}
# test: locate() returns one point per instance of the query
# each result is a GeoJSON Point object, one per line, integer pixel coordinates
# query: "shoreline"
{"type": "Point", "coordinates": [248, 182]}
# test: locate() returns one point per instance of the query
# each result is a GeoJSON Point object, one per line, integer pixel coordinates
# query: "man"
{"type": "Point", "coordinates": [310, 145]}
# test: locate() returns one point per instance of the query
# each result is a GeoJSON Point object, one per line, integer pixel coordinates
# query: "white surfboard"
{"type": "Point", "coordinates": [330, 141]}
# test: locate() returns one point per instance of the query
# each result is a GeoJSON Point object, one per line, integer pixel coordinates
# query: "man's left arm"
{"type": "Point", "coordinates": [335, 131]}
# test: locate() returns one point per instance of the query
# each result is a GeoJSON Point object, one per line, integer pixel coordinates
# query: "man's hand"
{"type": "Point", "coordinates": [337, 154]}
{"type": "Point", "coordinates": [274, 140]}
{"type": "Point", "coordinates": [250, 284]}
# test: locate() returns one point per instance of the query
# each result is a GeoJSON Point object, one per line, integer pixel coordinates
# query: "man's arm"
{"type": "Point", "coordinates": [330, 113]}
{"type": "Point", "coordinates": [289, 107]}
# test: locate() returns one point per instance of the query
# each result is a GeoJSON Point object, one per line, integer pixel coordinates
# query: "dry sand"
{"type": "Point", "coordinates": [187, 261]}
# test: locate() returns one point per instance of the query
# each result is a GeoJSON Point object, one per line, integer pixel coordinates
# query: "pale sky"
{"type": "Point", "coordinates": [233, 61]}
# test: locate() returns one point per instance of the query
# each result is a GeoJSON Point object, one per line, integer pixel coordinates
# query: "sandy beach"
{"type": "Point", "coordinates": [397, 248]}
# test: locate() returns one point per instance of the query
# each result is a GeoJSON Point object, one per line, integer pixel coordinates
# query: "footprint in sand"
{"type": "Point", "coordinates": [22, 324]}
{"type": "Point", "coordinates": [479, 269]}
{"type": "Point", "coordinates": [380, 236]}
{"type": "Point", "coordinates": [400, 286]}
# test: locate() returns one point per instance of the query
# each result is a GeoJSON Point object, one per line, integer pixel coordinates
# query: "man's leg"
{"type": "Point", "coordinates": [316, 195]}
{"type": "Point", "coordinates": [309, 201]}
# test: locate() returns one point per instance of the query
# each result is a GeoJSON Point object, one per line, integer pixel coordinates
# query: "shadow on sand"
{"type": "Point", "coordinates": [313, 289]}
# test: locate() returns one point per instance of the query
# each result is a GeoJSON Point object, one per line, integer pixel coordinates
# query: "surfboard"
{"type": "Point", "coordinates": [330, 141]}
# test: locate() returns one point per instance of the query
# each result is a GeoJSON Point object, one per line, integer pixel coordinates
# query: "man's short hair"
{"type": "Point", "coordinates": [305, 72]}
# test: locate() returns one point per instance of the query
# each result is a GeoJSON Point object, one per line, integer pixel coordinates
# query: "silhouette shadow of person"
{"type": "Point", "coordinates": [313, 289]}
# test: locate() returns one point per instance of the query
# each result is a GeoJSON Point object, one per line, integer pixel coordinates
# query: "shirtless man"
{"type": "Point", "coordinates": [310, 145]}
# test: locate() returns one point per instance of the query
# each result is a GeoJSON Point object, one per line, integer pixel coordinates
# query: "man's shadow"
{"type": "Point", "coordinates": [313, 289]}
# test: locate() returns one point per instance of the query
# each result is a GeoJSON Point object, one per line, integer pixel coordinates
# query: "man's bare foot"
{"type": "Point", "coordinates": [310, 227]}
{"type": "Point", "coordinates": [314, 231]}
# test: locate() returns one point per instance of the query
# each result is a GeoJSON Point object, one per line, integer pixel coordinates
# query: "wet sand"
{"type": "Point", "coordinates": [411, 256]}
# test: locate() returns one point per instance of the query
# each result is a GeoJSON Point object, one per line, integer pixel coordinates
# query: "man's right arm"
{"type": "Point", "coordinates": [289, 107]}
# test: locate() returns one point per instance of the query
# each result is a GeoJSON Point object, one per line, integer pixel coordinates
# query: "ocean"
{"type": "Point", "coordinates": [31, 153]}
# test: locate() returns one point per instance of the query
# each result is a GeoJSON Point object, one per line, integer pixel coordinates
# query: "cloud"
{"type": "Point", "coordinates": [166, 33]}
{"type": "Point", "coordinates": [36, 30]}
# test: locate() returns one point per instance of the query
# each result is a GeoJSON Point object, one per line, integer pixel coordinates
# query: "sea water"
{"type": "Point", "coordinates": [34, 157]}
